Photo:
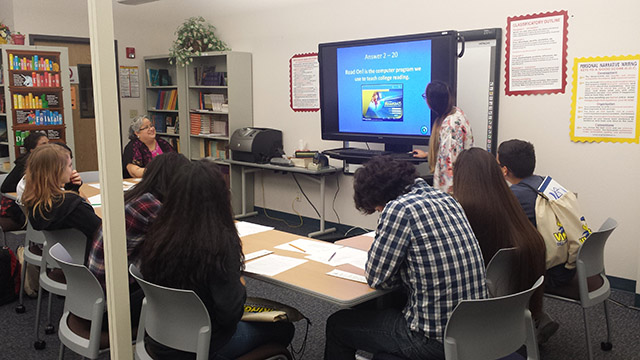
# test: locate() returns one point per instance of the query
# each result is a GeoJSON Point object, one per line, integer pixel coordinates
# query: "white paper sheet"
{"type": "Point", "coordinates": [347, 275]}
{"type": "Point", "coordinates": [256, 254]}
{"type": "Point", "coordinates": [247, 228]}
{"type": "Point", "coordinates": [95, 200]}
{"type": "Point", "coordinates": [370, 234]}
{"type": "Point", "coordinates": [272, 264]}
{"type": "Point", "coordinates": [310, 247]}
{"type": "Point", "coordinates": [97, 186]}
{"type": "Point", "coordinates": [344, 255]}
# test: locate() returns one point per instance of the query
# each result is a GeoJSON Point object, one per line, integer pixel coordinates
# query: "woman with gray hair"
{"type": "Point", "coordinates": [142, 147]}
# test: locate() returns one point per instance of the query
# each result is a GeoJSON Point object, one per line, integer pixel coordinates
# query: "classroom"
{"type": "Point", "coordinates": [603, 174]}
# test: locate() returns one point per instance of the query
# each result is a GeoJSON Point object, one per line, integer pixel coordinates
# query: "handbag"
{"type": "Point", "coordinates": [263, 310]}
{"type": "Point", "coordinates": [561, 223]}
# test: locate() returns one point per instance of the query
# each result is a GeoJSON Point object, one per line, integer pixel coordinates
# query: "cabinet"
{"type": "Point", "coordinates": [220, 100]}
{"type": "Point", "coordinates": [36, 92]}
{"type": "Point", "coordinates": [164, 88]}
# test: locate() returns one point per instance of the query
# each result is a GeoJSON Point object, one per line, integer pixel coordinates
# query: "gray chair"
{"type": "Point", "coordinates": [75, 242]}
{"type": "Point", "coordinates": [590, 286]}
{"type": "Point", "coordinates": [16, 232]}
{"type": "Point", "coordinates": [178, 319]}
{"type": "Point", "coordinates": [80, 327]}
{"type": "Point", "coordinates": [491, 328]}
{"type": "Point", "coordinates": [90, 176]}
{"type": "Point", "coordinates": [499, 272]}
{"type": "Point", "coordinates": [33, 241]}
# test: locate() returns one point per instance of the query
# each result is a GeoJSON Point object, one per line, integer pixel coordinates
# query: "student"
{"type": "Point", "coordinates": [450, 134]}
{"type": "Point", "coordinates": [142, 205]}
{"type": "Point", "coordinates": [11, 216]}
{"type": "Point", "coordinates": [499, 222]}
{"type": "Point", "coordinates": [142, 147]}
{"type": "Point", "coordinates": [517, 160]}
{"type": "Point", "coordinates": [423, 244]}
{"type": "Point", "coordinates": [193, 244]}
{"type": "Point", "coordinates": [49, 206]}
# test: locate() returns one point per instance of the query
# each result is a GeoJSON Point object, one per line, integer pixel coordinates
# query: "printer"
{"type": "Point", "coordinates": [257, 145]}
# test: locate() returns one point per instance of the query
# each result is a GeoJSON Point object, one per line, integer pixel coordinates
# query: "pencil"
{"type": "Point", "coordinates": [331, 257]}
{"type": "Point", "coordinates": [297, 248]}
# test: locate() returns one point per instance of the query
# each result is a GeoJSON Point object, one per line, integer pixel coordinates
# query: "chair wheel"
{"type": "Point", "coordinates": [40, 344]}
{"type": "Point", "coordinates": [49, 329]}
{"type": "Point", "coordinates": [606, 346]}
{"type": "Point", "coordinates": [20, 309]}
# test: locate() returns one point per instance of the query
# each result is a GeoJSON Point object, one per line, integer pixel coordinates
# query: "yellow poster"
{"type": "Point", "coordinates": [604, 104]}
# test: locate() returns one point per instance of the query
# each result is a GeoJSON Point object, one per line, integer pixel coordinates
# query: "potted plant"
{"type": "Point", "coordinates": [194, 37]}
{"type": "Point", "coordinates": [17, 38]}
{"type": "Point", "coordinates": [5, 33]}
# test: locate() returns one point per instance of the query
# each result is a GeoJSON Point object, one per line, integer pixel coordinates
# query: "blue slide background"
{"type": "Point", "coordinates": [416, 112]}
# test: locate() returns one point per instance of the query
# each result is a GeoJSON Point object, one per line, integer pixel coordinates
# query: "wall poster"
{"type": "Point", "coordinates": [536, 54]}
{"type": "Point", "coordinates": [604, 103]}
{"type": "Point", "coordinates": [304, 82]}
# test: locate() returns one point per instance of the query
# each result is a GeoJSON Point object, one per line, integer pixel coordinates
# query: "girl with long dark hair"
{"type": "Point", "coordinates": [498, 222]}
{"type": "Point", "coordinates": [193, 244]}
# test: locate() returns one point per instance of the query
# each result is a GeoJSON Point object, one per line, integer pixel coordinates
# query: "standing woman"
{"type": "Point", "coordinates": [498, 221]}
{"type": "Point", "coordinates": [450, 134]}
{"type": "Point", "coordinates": [142, 147]}
{"type": "Point", "coordinates": [49, 206]}
{"type": "Point", "coordinates": [193, 244]}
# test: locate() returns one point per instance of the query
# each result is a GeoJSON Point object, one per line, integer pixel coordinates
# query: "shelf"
{"type": "Point", "coordinates": [57, 108]}
{"type": "Point", "coordinates": [162, 87]}
{"type": "Point", "coordinates": [35, 71]}
{"type": "Point", "coordinates": [30, 127]}
{"type": "Point", "coordinates": [4, 143]}
{"type": "Point", "coordinates": [207, 87]}
{"type": "Point", "coordinates": [218, 138]}
{"type": "Point", "coordinates": [35, 88]}
{"type": "Point", "coordinates": [161, 110]}
{"type": "Point", "coordinates": [3, 114]}
{"type": "Point", "coordinates": [199, 111]}
{"type": "Point", "coordinates": [167, 134]}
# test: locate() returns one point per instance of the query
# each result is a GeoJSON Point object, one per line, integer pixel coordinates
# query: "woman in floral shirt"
{"type": "Point", "coordinates": [450, 134]}
{"type": "Point", "coordinates": [143, 147]}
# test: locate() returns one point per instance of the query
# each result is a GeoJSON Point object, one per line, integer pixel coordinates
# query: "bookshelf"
{"type": "Point", "coordinates": [162, 98]}
{"type": "Point", "coordinates": [220, 100]}
{"type": "Point", "coordinates": [35, 88]}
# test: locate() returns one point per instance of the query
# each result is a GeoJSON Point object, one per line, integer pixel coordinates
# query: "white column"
{"type": "Point", "coordinates": [108, 141]}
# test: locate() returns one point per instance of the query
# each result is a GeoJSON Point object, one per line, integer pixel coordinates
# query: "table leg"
{"type": "Point", "coordinates": [322, 229]}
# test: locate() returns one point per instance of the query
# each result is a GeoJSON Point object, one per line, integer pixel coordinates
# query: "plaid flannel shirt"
{"type": "Point", "coordinates": [139, 215]}
{"type": "Point", "coordinates": [425, 244]}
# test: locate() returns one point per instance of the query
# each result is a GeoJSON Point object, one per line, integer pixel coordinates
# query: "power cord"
{"type": "Point", "coordinates": [355, 228]}
{"type": "Point", "coordinates": [630, 307]}
{"type": "Point", "coordinates": [298, 354]}
{"type": "Point", "coordinates": [264, 209]}
{"type": "Point", "coordinates": [305, 195]}
{"type": "Point", "coordinates": [333, 204]}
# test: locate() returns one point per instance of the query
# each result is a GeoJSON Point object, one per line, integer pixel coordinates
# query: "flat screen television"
{"type": "Point", "coordinates": [371, 90]}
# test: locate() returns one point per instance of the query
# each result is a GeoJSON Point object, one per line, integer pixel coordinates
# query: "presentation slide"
{"type": "Point", "coordinates": [380, 88]}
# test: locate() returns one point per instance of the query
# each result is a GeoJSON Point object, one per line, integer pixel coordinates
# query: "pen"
{"type": "Point", "coordinates": [297, 248]}
{"type": "Point", "coordinates": [331, 257]}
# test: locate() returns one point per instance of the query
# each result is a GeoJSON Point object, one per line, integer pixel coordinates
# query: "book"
{"type": "Point", "coordinates": [164, 77]}
{"type": "Point", "coordinates": [153, 77]}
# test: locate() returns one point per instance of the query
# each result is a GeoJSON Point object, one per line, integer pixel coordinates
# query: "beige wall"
{"type": "Point", "coordinates": [605, 175]}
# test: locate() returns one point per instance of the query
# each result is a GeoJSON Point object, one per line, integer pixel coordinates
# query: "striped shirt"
{"type": "Point", "coordinates": [425, 244]}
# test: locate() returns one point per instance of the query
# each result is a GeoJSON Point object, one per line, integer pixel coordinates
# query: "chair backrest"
{"type": "Point", "coordinates": [33, 235]}
{"type": "Point", "coordinates": [90, 176]}
{"type": "Point", "coordinates": [174, 317]}
{"type": "Point", "coordinates": [85, 297]}
{"type": "Point", "coordinates": [590, 262]}
{"type": "Point", "coordinates": [73, 240]}
{"type": "Point", "coordinates": [2, 177]}
{"type": "Point", "coordinates": [500, 272]}
{"type": "Point", "coordinates": [491, 328]}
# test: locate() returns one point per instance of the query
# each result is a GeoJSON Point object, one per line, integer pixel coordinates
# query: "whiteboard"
{"type": "Point", "coordinates": [478, 84]}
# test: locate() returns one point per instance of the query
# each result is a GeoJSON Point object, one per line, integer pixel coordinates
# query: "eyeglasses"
{"type": "Point", "coordinates": [147, 127]}
{"type": "Point", "coordinates": [424, 96]}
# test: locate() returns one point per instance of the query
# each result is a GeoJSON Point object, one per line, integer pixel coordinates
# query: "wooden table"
{"type": "Point", "coordinates": [310, 278]}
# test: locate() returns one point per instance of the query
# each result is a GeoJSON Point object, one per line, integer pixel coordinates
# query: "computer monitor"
{"type": "Point", "coordinates": [371, 90]}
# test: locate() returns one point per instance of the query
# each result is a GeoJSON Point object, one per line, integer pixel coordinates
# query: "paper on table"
{"type": "Point", "coordinates": [256, 254]}
{"type": "Point", "coordinates": [309, 247]}
{"type": "Point", "coordinates": [95, 200]}
{"type": "Point", "coordinates": [347, 275]}
{"type": "Point", "coordinates": [247, 228]}
{"type": "Point", "coordinates": [127, 185]}
{"type": "Point", "coordinates": [97, 186]}
{"type": "Point", "coordinates": [370, 234]}
{"type": "Point", "coordinates": [272, 265]}
{"type": "Point", "coordinates": [344, 255]}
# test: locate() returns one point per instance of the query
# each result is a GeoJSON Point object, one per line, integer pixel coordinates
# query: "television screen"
{"type": "Point", "coordinates": [372, 90]}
